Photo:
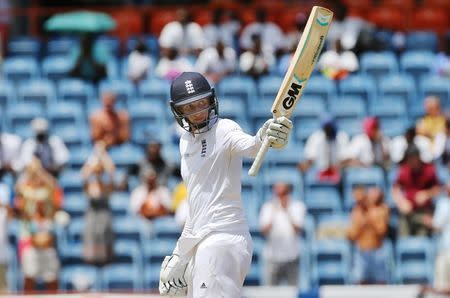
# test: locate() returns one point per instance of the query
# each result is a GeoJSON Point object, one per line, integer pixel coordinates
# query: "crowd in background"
{"type": "Point", "coordinates": [217, 50]}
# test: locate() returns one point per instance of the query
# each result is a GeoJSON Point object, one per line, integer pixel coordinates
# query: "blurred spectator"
{"type": "Point", "coordinates": [368, 230]}
{"type": "Point", "coordinates": [440, 222]}
{"type": "Point", "coordinates": [434, 120]}
{"type": "Point", "coordinates": [281, 221]}
{"type": "Point", "coordinates": [325, 149]}
{"type": "Point", "coordinates": [441, 64]}
{"type": "Point", "coordinates": [216, 62]}
{"type": "Point", "coordinates": [222, 28]}
{"type": "Point", "coordinates": [172, 65]}
{"type": "Point", "coordinates": [272, 37]}
{"type": "Point", "coordinates": [150, 200]}
{"type": "Point", "coordinates": [9, 153]}
{"type": "Point", "coordinates": [49, 149]}
{"type": "Point", "coordinates": [413, 191]}
{"type": "Point", "coordinates": [337, 64]}
{"type": "Point", "coordinates": [442, 144]}
{"type": "Point", "coordinates": [256, 61]}
{"type": "Point", "coordinates": [87, 65]}
{"type": "Point", "coordinates": [5, 22]}
{"type": "Point", "coordinates": [183, 34]}
{"type": "Point", "coordinates": [5, 214]}
{"type": "Point", "coordinates": [139, 62]}
{"type": "Point", "coordinates": [109, 125]}
{"type": "Point", "coordinates": [38, 198]}
{"type": "Point", "coordinates": [293, 36]}
{"type": "Point", "coordinates": [369, 148]}
{"type": "Point", "coordinates": [154, 160]}
{"type": "Point", "coordinates": [400, 144]}
{"type": "Point", "coordinates": [179, 203]}
{"type": "Point", "coordinates": [98, 177]}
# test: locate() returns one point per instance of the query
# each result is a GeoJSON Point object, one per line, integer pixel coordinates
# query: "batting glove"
{"type": "Point", "coordinates": [277, 131]}
{"type": "Point", "coordinates": [173, 277]}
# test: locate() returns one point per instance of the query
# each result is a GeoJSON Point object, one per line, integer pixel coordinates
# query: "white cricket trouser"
{"type": "Point", "coordinates": [220, 263]}
{"type": "Point", "coordinates": [442, 271]}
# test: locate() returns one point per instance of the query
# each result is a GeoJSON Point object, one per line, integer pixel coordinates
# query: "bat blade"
{"type": "Point", "coordinates": [299, 71]}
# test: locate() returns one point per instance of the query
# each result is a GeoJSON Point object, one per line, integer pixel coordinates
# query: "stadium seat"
{"type": "Point", "coordinates": [421, 41]}
{"type": "Point", "coordinates": [322, 87]}
{"type": "Point", "coordinates": [438, 86]}
{"type": "Point", "coordinates": [20, 116]}
{"type": "Point", "coordinates": [126, 155]}
{"type": "Point", "coordinates": [290, 156]}
{"type": "Point", "coordinates": [232, 108]}
{"type": "Point", "coordinates": [110, 43]}
{"type": "Point", "coordinates": [130, 228]}
{"type": "Point", "coordinates": [77, 277]}
{"type": "Point", "coordinates": [392, 114]}
{"type": "Point", "coordinates": [7, 94]}
{"type": "Point", "coordinates": [239, 86]}
{"type": "Point", "coordinates": [20, 68]}
{"type": "Point", "coordinates": [154, 88]}
{"type": "Point", "coordinates": [150, 40]}
{"type": "Point", "coordinates": [13, 277]}
{"type": "Point", "coordinates": [75, 204]}
{"type": "Point", "coordinates": [71, 253]}
{"type": "Point", "coordinates": [307, 116]}
{"type": "Point", "coordinates": [71, 182]}
{"type": "Point", "coordinates": [321, 201]}
{"type": "Point", "coordinates": [127, 252]}
{"type": "Point", "coordinates": [65, 114]}
{"type": "Point", "coordinates": [352, 126]}
{"type": "Point", "coordinates": [372, 176]}
{"type": "Point", "coordinates": [123, 89]}
{"type": "Point", "coordinates": [119, 203]}
{"type": "Point", "coordinates": [378, 64]}
{"type": "Point", "coordinates": [76, 90]}
{"type": "Point", "coordinates": [147, 117]}
{"type": "Point", "coordinates": [74, 137]}
{"type": "Point", "coordinates": [78, 156]}
{"type": "Point", "coordinates": [62, 45]}
{"type": "Point", "coordinates": [166, 227]}
{"type": "Point", "coordinates": [361, 85]}
{"type": "Point", "coordinates": [431, 19]}
{"type": "Point", "coordinates": [56, 67]}
{"type": "Point", "coordinates": [268, 87]}
{"type": "Point", "coordinates": [25, 46]}
{"type": "Point", "coordinates": [339, 220]}
{"type": "Point", "coordinates": [41, 91]}
{"type": "Point", "coordinates": [417, 64]}
{"type": "Point", "coordinates": [387, 18]}
{"type": "Point", "coordinates": [398, 85]}
{"type": "Point", "coordinates": [348, 107]}
{"type": "Point", "coordinates": [121, 277]}
{"type": "Point", "coordinates": [259, 113]}
{"type": "Point", "coordinates": [154, 252]}
{"type": "Point", "coordinates": [282, 174]}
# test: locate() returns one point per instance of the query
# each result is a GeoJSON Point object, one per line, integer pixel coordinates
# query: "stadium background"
{"type": "Point", "coordinates": [32, 84]}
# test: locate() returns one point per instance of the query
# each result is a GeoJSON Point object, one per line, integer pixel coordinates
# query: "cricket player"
{"type": "Point", "coordinates": [214, 252]}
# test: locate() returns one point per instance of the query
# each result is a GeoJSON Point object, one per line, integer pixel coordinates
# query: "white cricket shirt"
{"type": "Point", "coordinates": [211, 166]}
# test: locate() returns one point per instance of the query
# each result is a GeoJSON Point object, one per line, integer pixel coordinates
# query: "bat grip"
{"type": "Point", "coordinates": [254, 169]}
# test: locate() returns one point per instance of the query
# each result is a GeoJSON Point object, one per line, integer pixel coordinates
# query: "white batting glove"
{"type": "Point", "coordinates": [173, 277]}
{"type": "Point", "coordinates": [277, 131]}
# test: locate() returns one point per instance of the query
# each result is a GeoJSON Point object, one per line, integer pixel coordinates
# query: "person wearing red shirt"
{"type": "Point", "coordinates": [413, 191]}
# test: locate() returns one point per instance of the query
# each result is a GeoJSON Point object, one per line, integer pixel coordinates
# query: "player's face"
{"type": "Point", "coordinates": [197, 111]}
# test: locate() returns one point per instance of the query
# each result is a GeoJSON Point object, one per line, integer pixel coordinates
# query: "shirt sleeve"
{"type": "Point", "coordinates": [265, 215]}
{"type": "Point", "coordinates": [239, 142]}
{"type": "Point", "coordinates": [441, 214]}
{"type": "Point", "coordinates": [310, 151]}
{"type": "Point", "coordinates": [137, 198]}
{"type": "Point", "coordinates": [61, 153]}
{"type": "Point", "coordinates": [297, 213]}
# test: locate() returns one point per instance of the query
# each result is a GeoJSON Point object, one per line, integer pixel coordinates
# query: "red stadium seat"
{"type": "Point", "coordinates": [403, 4]}
{"type": "Point", "coordinates": [358, 8]}
{"type": "Point", "coordinates": [388, 18]}
{"type": "Point", "coordinates": [129, 22]}
{"type": "Point", "coordinates": [441, 4]}
{"type": "Point", "coordinates": [430, 19]}
{"type": "Point", "coordinates": [159, 18]}
{"type": "Point", "coordinates": [286, 21]}
{"type": "Point", "coordinates": [203, 17]}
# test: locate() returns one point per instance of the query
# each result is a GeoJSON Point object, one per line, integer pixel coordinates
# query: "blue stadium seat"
{"type": "Point", "coordinates": [282, 174]}
{"type": "Point", "coordinates": [78, 156]}
{"type": "Point", "coordinates": [127, 252]}
{"type": "Point", "coordinates": [320, 201]}
{"type": "Point", "coordinates": [233, 108]}
{"type": "Point", "coordinates": [361, 85]}
{"type": "Point", "coordinates": [341, 220]}
{"type": "Point", "coordinates": [392, 113]}
{"type": "Point", "coordinates": [306, 116]}
{"type": "Point", "coordinates": [126, 155]}
{"type": "Point", "coordinates": [24, 46]}
{"type": "Point", "coordinates": [20, 68]}
{"type": "Point", "coordinates": [71, 182]}
{"type": "Point", "coordinates": [330, 262]}
{"type": "Point", "coordinates": [123, 89]}
{"type": "Point", "coordinates": [110, 43]}
{"type": "Point", "coordinates": [417, 63]}
{"type": "Point", "coordinates": [401, 85]}
{"type": "Point", "coordinates": [76, 90]}
{"type": "Point", "coordinates": [72, 276]}
{"type": "Point", "coordinates": [438, 86]}
{"type": "Point", "coordinates": [65, 114]}
{"type": "Point", "coordinates": [70, 252]}
{"type": "Point", "coordinates": [321, 86]}
{"type": "Point", "coordinates": [20, 116]}
{"type": "Point", "coordinates": [348, 107]}
{"type": "Point", "coordinates": [56, 67]}
{"type": "Point", "coordinates": [352, 126]}
{"type": "Point", "coordinates": [147, 119]}
{"type": "Point", "coordinates": [41, 91]}
{"type": "Point", "coordinates": [290, 155]}
{"type": "Point", "coordinates": [74, 235]}
{"type": "Point", "coordinates": [154, 88]}
{"type": "Point", "coordinates": [166, 228]}
{"type": "Point", "coordinates": [121, 277]}
{"type": "Point", "coordinates": [130, 228]}
{"type": "Point", "coordinates": [268, 87]}
{"type": "Point", "coordinates": [422, 41]}
{"type": "Point", "coordinates": [239, 86]}
{"type": "Point", "coordinates": [154, 252]}
{"type": "Point", "coordinates": [150, 40]}
{"type": "Point", "coordinates": [378, 64]}
{"type": "Point", "coordinates": [372, 176]}
{"type": "Point", "coordinates": [62, 45]}
{"type": "Point", "coordinates": [74, 137]}
{"type": "Point", "coordinates": [119, 203]}
{"type": "Point", "coordinates": [75, 204]}
{"type": "Point", "coordinates": [7, 94]}
{"type": "Point", "coordinates": [13, 277]}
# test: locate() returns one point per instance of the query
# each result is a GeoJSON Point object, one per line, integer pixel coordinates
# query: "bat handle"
{"type": "Point", "coordinates": [254, 169]}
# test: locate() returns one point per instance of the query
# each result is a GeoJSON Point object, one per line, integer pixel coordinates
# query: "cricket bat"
{"type": "Point", "coordinates": [298, 73]}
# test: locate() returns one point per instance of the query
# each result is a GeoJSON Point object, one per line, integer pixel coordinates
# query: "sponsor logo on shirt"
{"type": "Point", "coordinates": [203, 286]}
{"type": "Point", "coordinates": [203, 153]}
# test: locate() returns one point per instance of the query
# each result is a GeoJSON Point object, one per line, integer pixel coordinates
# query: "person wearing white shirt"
{"type": "Point", "coordinates": [9, 153]}
{"type": "Point", "coordinates": [257, 61]}
{"type": "Point", "coordinates": [272, 37]}
{"type": "Point", "coordinates": [184, 35]}
{"type": "Point", "coordinates": [399, 144]}
{"type": "Point", "coordinates": [337, 63]}
{"type": "Point", "coordinates": [49, 149]}
{"type": "Point", "coordinates": [139, 63]}
{"type": "Point", "coordinates": [325, 149]}
{"type": "Point", "coordinates": [213, 254]}
{"type": "Point", "coordinates": [216, 62]}
{"type": "Point", "coordinates": [220, 29]}
{"type": "Point", "coordinates": [442, 145]}
{"type": "Point", "coordinates": [172, 65]}
{"type": "Point", "coordinates": [370, 147]}
{"type": "Point", "coordinates": [5, 213]}
{"type": "Point", "coordinates": [281, 220]}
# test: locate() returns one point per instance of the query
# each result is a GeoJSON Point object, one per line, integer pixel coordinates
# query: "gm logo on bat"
{"type": "Point", "coordinates": [292, 93]}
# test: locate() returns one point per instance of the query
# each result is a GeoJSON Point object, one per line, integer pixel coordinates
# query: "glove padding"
{"type": "Point", "coordinates": [277, 130]}
{"type": "Point", "coordinates": [173, 278]}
